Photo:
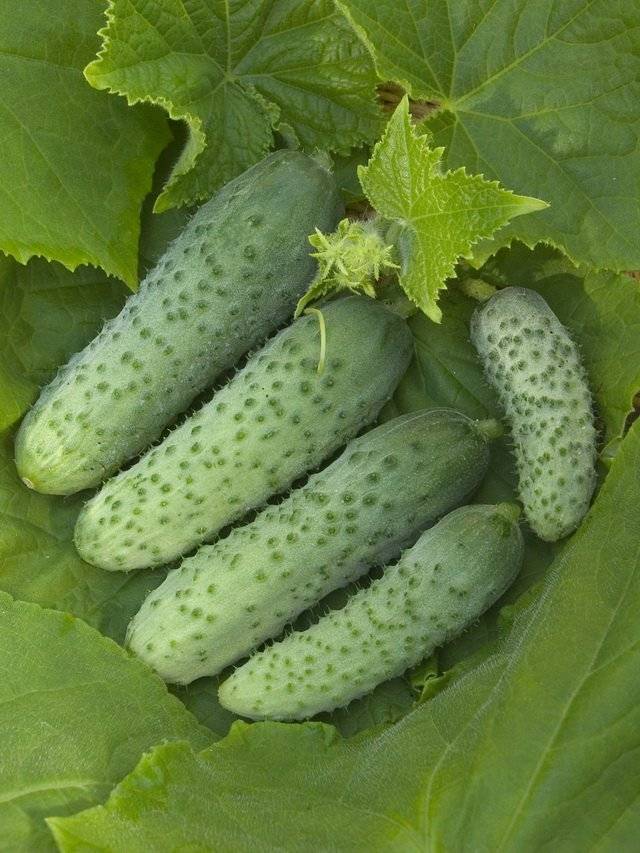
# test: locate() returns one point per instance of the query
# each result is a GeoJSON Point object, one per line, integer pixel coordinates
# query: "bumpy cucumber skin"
{"type": "Point", "coordinates": [361, 510]}
{"type": "Point", "coordinates": [454, 572]}
{"type": "Point", "coordinates": [530, 359]}
{"type": "Point", "coordinates": [223, 286]}
{"type": "Point", "coordinates": [276, 419]}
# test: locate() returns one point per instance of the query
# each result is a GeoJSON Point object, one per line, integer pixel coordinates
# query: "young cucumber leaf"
{"type": "Point", "coordinates": [427, 219]}
{"type": "Point", "coordinates": [235, 72]}
{"type": "Point", "coordinates": [541, 96]}
{"type": "Point", "coordinates": [515, 754]}
{"type": "Point", "coordinates": [75, 166]}
{"type": "Point", "coordinates": [439, 216]}
{"type": "Point", "coordinates": [76, 714]}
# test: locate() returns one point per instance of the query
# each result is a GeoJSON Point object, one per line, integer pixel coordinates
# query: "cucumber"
{"type": "Point", "coordinates": [454, 572]}
{"type": "Point", "coordinates": [363, 509]}
{"type": "Point", "coordinates": [276, 419]}
{"type": "Point", "coordinates": [530, 359]}
{"type": "Point", "coordinates": [223, 286]}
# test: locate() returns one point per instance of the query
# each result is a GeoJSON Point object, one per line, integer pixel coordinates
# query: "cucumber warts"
{"type": "Point", "coordinates": [276, 419]}
{"type": "Point", "coordinates": [454, 572]}
{"type": "Point", "coordinates": [363, 509]}
{"type": "Point", "coordinates": [224, 285]}
{"type": "Point", "coordinates": [534, 365]}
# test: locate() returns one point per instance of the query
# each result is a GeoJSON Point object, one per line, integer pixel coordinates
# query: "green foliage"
{"type": "Point", "coordinates": [387, 704]}
{"type": "Point", "coordinates": [345, 169]}
{"type": "Point", "coordinates": [75, 164]}
{"type": "Point", "coordinates": [201, 698]}
{"type": "Point", "coordinates": [535, 748]}
{"type": "Point", "coordinates": [540, 96]}
{"type": "Point", "coordinates": [235, 72]}
{"type": "Point", "coordinates": [76, 714]}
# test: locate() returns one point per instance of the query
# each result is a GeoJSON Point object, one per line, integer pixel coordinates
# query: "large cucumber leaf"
{"type": "Point", "coordinates": [76, 714]}
{"type": "Point", "coordinates": [535, 749]}
{"type": "Point", "coordinates": [541, 96]}
{"type": "Point", "coordinates": [75, 165]}
{"type": "Point", "coordinates": [235, 72]}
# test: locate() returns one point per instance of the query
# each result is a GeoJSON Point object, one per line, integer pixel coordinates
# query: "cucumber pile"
{"type": "Point", "coordinates": [360, 511]}
{"type": "Point", "coordinates": [217, 493]}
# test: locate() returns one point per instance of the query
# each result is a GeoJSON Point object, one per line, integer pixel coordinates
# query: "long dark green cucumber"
{"type": "Point", "coordinates": [454, 572]}
{"type": "Point", "coordinates": [275, 420]}
{"type": "Point", "coordinates": [223, 286]}
{"type": "Point", "coordinates": [363, 509]}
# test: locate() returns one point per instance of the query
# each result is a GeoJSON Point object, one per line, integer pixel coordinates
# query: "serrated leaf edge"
{"type": "Point", "coordinates": [402, 117]}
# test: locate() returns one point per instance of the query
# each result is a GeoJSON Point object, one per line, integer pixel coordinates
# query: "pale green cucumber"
{"type": "Point", "coordinates": [276, 419]}
{"type": "Point", "coordinates": [223, 286]}
{"type": "Point", "coordinates": [454, 572]}
{"type": "Point", "coordinates": [361, 510]}
{"type": "Point", "coordinates": [531, 361]}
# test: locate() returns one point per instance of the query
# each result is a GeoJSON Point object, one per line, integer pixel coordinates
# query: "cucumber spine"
{"type": "Point", "coordinates": [454, 572]}
{"type": "Point", "coordinates": [363, 509]}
